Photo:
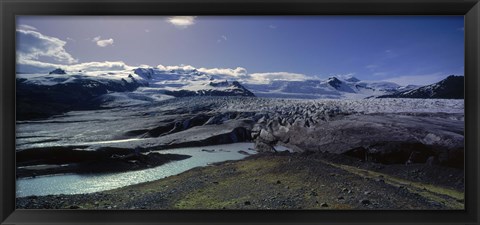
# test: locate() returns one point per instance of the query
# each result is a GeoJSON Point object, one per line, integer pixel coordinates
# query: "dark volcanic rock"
{"type": "Point", "coordinates": [334, 82]}
{"type": "Point", "coordinates": [40, 101]}
{"type": "Point", "coordinates": [57, 71]}
{"type": "Point", "coordinates": [413, 139]}
{"type": "Point", "coordinates": [339, 85]}
{"type": "Point", "coordinates": [365, 202]}
{"type": "Point", "coordinates": [32, 162]}
{"type": "Point", "coordinates": [235, 89]}
{"type": "Point", "coordinates": [175, 126]}
{"type": "Point", "coordinates": [219, 84]}
{"type": "Point", "coordinates": [393, 153]}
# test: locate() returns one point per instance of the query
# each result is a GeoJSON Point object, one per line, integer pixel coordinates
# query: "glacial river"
{"type": "Point", "coordinates": [79, 184]}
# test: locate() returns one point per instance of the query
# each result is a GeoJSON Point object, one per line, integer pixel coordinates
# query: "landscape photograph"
{"type": "Point", "coordinates": [240, 112]}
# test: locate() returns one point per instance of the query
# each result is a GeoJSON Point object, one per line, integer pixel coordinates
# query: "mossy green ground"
{"type": "Point", "coordinates": [281, 182]}
{"type": "Point", "coordinates": [268, 181]}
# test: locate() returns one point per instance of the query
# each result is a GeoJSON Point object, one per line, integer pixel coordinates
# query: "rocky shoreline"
{"type": "Point", "coordinates": [280, 181]}
{"type": "Point", "coordinates": [96, 164]}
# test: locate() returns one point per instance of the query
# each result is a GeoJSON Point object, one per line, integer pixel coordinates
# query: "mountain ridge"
{"type": "Point", "coordinates": [451, 87]}
{"type": "Point", "coordinates": [59, 91]}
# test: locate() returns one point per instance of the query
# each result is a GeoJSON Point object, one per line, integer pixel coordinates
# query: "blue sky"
{"type": "Point", "coordinates": [404, 49]}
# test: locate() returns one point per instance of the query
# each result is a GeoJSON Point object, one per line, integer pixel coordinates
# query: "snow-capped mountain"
{"type": "Point", "coordinates": [451, 87]}
{"type": "Point", "coordinates": [333, 88]}
{"type": "Point", "coordinates": [181, 83]}
{"type": "Point", "coordinates": [59, 91]}
{"type": "Point", "coordinates": [43, 95]}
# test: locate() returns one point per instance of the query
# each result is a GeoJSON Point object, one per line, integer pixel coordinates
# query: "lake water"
{"type": "Point", "coordinates": [79, 184]}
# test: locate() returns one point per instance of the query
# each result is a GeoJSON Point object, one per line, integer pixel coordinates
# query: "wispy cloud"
{"type": "Point", "coordinates": [147, 31]}
{"type": "Point", "coordinates": [222, 38]}
{"type": "Point", "coordinates": [26, 27]}
{"type": "Point", "coordinates": [182, 21]}
{"type": "Point", "coordinates": [272, 26]}
{"type": "Point", "coordinates": [461, 28]}
{"type": "Point", "coordinates": [34, 45]}
{"type": "Point", "coordinates": [34, 66]}
{"type": "Point", "coordinates": [102, 42]}
{"type": "Point", "coordinates": [268, 77]}
{"type": "Point", "coordinates": [238, 72]}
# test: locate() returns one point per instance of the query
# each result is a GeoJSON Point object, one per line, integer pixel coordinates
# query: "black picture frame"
{"type": "Point", "coordinates": [9, 9]}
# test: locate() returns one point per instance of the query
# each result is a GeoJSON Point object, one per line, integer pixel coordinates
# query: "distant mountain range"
{"type": "Point", "coordinates": [43, 95]}
{"type": "Point", "coordinates": [177, 83]}
{"type": "Point", "coordinates": [331, 88]}
{"type": "Point", "coordinates": [451, 87]}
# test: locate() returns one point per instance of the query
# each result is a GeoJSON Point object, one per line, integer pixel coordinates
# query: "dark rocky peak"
{"type": "Point", "coordinates": [57, 71]}
{"type": "Point", "coordinates": [452, 79]}
{"type": "Point", "coordinates": [237, 84]}
{"type": "Point", "coordinates": [334, 82]}
{"type": "Point", "coordinates": [146, 73]}
{"type": "Point", "coordinates": [219, 84]}
{"type": "Point", "coordinates": [451, 87]}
